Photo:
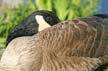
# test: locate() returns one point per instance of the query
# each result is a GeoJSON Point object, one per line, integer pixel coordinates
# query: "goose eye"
{"type": "Point", "coordinates": [49, 19]}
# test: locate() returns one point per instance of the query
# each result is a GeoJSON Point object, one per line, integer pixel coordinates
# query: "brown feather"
{"type": "Point", "coordinates": [74, 45]}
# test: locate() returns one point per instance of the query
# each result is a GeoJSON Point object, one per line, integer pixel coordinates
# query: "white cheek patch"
{"type": "Point", "coordinates": [42, 23]}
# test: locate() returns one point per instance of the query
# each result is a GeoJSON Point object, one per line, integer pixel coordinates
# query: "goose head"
{"type": "Point", "coordinates": [35, 22]}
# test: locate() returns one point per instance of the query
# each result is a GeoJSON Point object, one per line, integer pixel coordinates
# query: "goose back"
{"type": "Point", "coordinates": [79, 37]}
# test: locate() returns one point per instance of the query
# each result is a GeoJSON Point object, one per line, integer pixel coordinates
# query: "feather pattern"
{"type": "Point", "coordinates": [74, 45]}
{"type": "Point", "coordinates": [77, 37]}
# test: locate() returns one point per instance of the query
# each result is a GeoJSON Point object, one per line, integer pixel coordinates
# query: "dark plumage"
{"type": "Point", "coordinates": [102, 15]}
{"type": "Point", "coordinates": [29, 26]}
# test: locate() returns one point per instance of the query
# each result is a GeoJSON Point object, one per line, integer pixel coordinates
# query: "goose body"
{"type": "Point", "coordinates": [33, 57]}
{"type": "Point", "coordinates": [74, 45]}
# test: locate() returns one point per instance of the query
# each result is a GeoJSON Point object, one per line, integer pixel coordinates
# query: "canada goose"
{"type": "Point", "coordinates": [35, 22]}
{"type": "Point", "coordinates": [73, 45]}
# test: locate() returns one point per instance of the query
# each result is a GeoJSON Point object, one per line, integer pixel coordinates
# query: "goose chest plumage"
{"type": "Point", "coordinates": [74, 45]}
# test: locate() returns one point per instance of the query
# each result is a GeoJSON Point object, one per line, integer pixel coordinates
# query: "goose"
{"type": "Point", "coordinates": [74, 45]}
{"type": "Point", "coordinates": [36, 21]}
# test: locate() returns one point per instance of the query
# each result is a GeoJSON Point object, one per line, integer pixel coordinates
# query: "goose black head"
{"type": "Point", "coordinates": [35, 22]}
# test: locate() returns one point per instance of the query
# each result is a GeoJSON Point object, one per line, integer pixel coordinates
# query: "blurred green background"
{"type": "Point", "coordinates": [65, 9]}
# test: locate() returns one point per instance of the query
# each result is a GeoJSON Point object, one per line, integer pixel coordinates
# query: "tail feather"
{"type": "Point", "coordinates": [102, 15]}
{"type": "Point", "coordinates": [102, 67]}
